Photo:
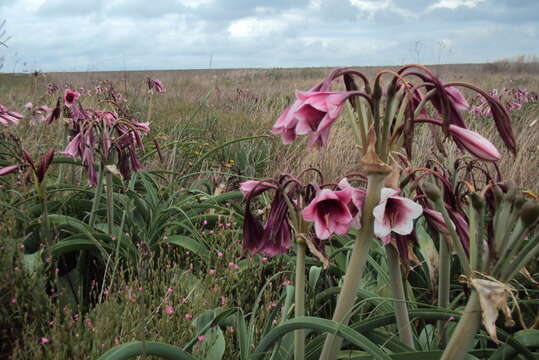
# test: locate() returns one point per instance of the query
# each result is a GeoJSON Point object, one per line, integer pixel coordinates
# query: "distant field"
{"type": "Point", "coordinates": [220, 105]}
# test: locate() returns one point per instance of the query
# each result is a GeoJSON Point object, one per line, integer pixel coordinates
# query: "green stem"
{"type": "Point", "coordinates": [464, 335]}
{"type": "Point", "coordinates": [455, 239]}
{"type": "Point", "coordinates": [299, 335]}
{"type": "Point", "coordinates": [528, 252]}
{"type": "Point", "coordinates": [110, 204]}
{"type": "Point", "coordinates": [97, 196]}
{"type": "Point", "coordinates": [354, 271]}
{"type": "Point", "coordinates": [399, 299]}
{"type": "Point", "coordinates": [444, 283]}
{"type": "Point", "coordinates": [45, 216]}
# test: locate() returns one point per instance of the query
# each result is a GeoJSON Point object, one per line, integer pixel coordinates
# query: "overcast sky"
{"type": "Point", "coordinates": [82, 35]}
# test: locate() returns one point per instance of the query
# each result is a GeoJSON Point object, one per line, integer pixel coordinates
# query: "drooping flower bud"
{"type": "Point", "coordinates": [432, 191]}
{"type": "Point", "coordinates": [529, 213]}
{"type": "Point", "coordinates": [474, 143]}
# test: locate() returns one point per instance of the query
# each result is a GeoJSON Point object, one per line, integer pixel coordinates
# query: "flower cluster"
{"type": "Point", "coordinates": [331, 209]}
{"type": "Point", "coordinates": [512, 99]}
{"type": "Point", "coordinates": [315, 111]}
{"type": "Point", "coordinates": [155, 85]}
{"type": "Point", "coordinates": [99, 133]}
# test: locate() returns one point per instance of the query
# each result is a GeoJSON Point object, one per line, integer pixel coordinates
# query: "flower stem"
{"type": "Point", "coordinates": [464, 335]}
{"type": "Point", "coordinates": [354, 271]}
{"type": "Point", "coordinates": [97, 196]}
{"type": "Point", "coordinates": [45, 216]}
{"type": "Point", "coordinates": [399, 299]}
{"type": "Point", "coordinates": [299, 335]}
{"type": "Point", "coordinates": [110, 204]}
{"type": "Point", "coordinates": [444, 283]}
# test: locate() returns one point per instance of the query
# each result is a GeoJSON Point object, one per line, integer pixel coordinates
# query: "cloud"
{"type": "Point", "coordinates": [372, 7]}
{"type": "Point", "coordinates": [454, 4]}
{"type": "Point", "coordinates": [67, 35]}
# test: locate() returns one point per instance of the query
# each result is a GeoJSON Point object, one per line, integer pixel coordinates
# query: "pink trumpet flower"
{"type": "Point", "coordinates": [318, 112]}
{"type": "Point", "coordinates": [70, 96]}
{"type": "Point", "coordinates": [9, 118]}
{"type": "Point", "coordinates": [247, 187]}
{"type": "Point", "coordinates": [311, 114]}
{"type": "Point", "coordinates": [394, 213]}
{"type": "Point", "coordinates": [436, 220]}
{"type": "Point", "coordinates": [474, 143]}
{"type": "Point", "coordinates": [156, 85]}
{"type": "Point", "coordinates": [330, 212]}
{"type": "Point", "coordinates": [358, 198]}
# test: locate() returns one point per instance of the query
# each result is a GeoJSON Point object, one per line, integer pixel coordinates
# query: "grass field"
{"type": "Point", "coordinates": [213, 129]}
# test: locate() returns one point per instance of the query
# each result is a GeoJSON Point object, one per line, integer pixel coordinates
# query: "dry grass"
{"type": "Point", "coordinates": [211, 100]}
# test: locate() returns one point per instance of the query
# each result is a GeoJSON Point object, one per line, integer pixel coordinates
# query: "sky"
{"type": "Point", "coordinates": [97, 35]}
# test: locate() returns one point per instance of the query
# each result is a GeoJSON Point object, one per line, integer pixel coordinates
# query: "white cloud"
{"type": "Point", "coordinates": [371, 7]}
{"type": "Point", "coordinates": [193, 4]}
{"type": "Point", "coordinates": [258, 26]}
{"type": "Point", "coordinates": [255, 27]}
{"type": "Point", "coordinates": [453, 4]}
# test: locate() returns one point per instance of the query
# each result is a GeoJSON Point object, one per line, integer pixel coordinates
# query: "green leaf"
{"type": "Point", "coordinates": [321, 325]}
{"type": "Point", "coordinates": [192, 245]}
{"type": "Point", "coordinates": [526, 338]}
{"type": "Point", "coordinates": [416, 355]}
{"type": "Point", "coordinates": [213, 345]}
{"type": "Point", "coordinates": [138, 348]}
{"type": "Point", "coordinates": [314, 275]}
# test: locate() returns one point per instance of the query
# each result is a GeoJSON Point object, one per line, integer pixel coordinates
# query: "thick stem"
{"type": "Point", "coordinates": [299, 306]}
{"type": "Point", "coordinates": [464, 335]}
{"type": "Point", "coordinates": [110, 204]}
{"type": "Point", "coordinates": [399, 299]}
{"type": "Point", "coordinates": [354, 271]}
{"type": "Point", "coordinates": [444, 283]}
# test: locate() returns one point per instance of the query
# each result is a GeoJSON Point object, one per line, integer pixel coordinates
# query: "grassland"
{"type": "Point", "coordinates": [157, 297]}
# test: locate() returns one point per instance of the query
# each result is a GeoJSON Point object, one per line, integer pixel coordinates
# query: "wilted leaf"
{"type": "Point", "coordinates": [492, 298]}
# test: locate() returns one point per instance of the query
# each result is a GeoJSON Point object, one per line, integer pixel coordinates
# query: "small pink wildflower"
{"type": "Point", "coordinates": [188, 316]}
{"type": "Point", "coordinates": [212, 271]}
{"type": "Point", "coordinates": [169, 310]}
{"type": "Point", "coordinates": [201, 337]}
{"type": "Point", "coordinates": [43, 340]}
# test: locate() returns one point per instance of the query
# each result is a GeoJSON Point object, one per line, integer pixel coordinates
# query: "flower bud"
{"type": "Point", "coordinates": [432, 191]}
{"type": "Point", "coordinates": [529, 213]}
{"type": "Point", "coordinates": [498, 195]}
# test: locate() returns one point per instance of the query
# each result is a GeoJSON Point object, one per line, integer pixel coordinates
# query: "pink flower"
{"type": "Point", "coordinates": [169, 310]}
{"type": "Point", "coordinates": [73, 148]}
{"type": "Point", "coordinates": [8, 118]}
{"type": "Point", "coordinates": [330, 212]}
{"type": "Point", "coordinates": [70, 96]}
{"type": "Point", "coordinates": [474, 143]}
{"type": "Point", "coordinates": [436, 219]}
{"type": "Point", "coordinates": [188, 316]}
{"type": "Point", "coordinates": [43, 340]}
{"type": "Point", "coordinates": [212, 271]}
{"type": "Point", "coordinates": [156, 85]}
{"type": "Point", "coordinates": [247, 187]}
{"type": "Point", "coordinates": [457, 98]}
{"type": "Point", "coordinates": [356, 206]}
{"type": "Point", "coordinates": [394, 213]}
{"type": "Point", "coordinates": [311, 114]}
{"type": "Point", "coordinates": [317, 113]}
{"type": "Point", "coordinates": [201, 337]}
{"type": "Point", "coordinates": [286, 125]}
